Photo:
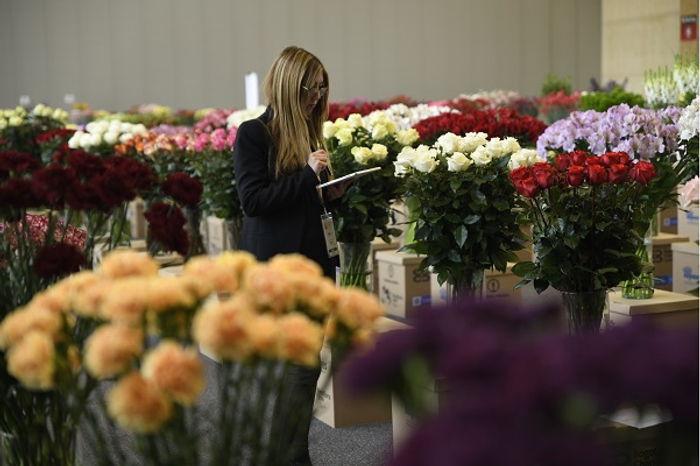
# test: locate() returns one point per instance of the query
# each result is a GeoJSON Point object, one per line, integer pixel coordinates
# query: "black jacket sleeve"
{"type": "Point", "coordinates": [253, 161]}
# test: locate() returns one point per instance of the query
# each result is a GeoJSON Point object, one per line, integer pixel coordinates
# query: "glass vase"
{"type": "Point", "coordinates": [234, 229]}
{"type": "Point", "coordinates": [468, 286]}
{"type": "Point", "coordinates": [587, 312]}
{"type": "Point", "coordinates": [641, 286]}
{"type": "Point", "coordinates": [355, 265]}
{"type": "Point", "coordinates": [193, 215]}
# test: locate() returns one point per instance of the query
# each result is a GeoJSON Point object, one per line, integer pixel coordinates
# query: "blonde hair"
{"type": "Point", "coordinates": [292, 132]}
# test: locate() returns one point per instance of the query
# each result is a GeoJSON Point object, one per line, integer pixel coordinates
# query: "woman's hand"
{"type": "Point", "coordinates": [337, 190]}
{"type": "Point", "coordinates": [318, 161]}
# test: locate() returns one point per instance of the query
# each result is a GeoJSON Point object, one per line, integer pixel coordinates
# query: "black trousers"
{"type": "Point", "coordinates": [295, 410]}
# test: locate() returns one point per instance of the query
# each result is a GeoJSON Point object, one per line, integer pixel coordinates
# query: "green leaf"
{"type": "Point", "coordinates": [461, 234]}
{"type": "Point", "coordinates": [471, 219]}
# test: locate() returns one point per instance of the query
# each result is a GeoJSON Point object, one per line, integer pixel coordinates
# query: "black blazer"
{"type": "Point", "coordinates": [282, 215]}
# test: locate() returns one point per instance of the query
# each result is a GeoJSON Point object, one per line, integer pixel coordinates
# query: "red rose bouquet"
{"type": "Point", "coordinates": [586, 221]}
{"type": "Point", "coordinates": [497, 123]}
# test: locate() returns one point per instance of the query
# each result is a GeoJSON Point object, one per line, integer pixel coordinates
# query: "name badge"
{"type": "Point", "coordinates": [329, 234]}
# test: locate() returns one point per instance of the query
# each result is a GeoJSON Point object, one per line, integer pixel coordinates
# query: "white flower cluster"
{"type": "Point", "coordinates": [458, 152]}
{"type": "Point", "coordinates": [235, 119]}
{"type": "Point", "coordinates": [97, 133]}
{"type": "Point", "coordinates": [685, 74]}
{"type": "Point", "coordinates": [378, 125]}
{"type": "Point", "coordinates": [17, 116]}
{"type": "Point", "coordinates": [660, 88]}
{"type": "Point", "coordinates": [689, 121]}
{"type": "Point", "coordinates": [406, 117]}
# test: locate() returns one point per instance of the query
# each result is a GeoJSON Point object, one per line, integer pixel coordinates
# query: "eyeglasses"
{"type": "Point", "coordinates": [319, 91]}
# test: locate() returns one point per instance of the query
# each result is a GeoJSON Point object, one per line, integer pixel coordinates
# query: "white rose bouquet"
{"type": "Point", "coordinates": [460, 191]}
{"type": "Point", "coordinates": [364, 211]}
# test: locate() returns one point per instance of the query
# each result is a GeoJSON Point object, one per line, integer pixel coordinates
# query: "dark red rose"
{"type": "Point", "coordinates": [544, 174]}
{"type": "Point", "coordinates": [62, 134]}
{"type": "Point", "coordinates": [642, 172]}
{"type": "Point", "coordinates": [57, 260]}
{"type": "Point", "coordinates": [166, 225]}
{"type": "Point", "coordinates": [524, 181]}
{"type": "Point", "coordinates": [140, 174]}
{"type": "Point", "coordinates": [52, 183]}
{"type": "Point", "coordinates": [597, 174]}
{"type": "Point", "coordinates": [625, 158]}
{"type": "Point", "coordinates": [562, 162]}
{"type": "Point", "coordinates": [617, 173]}
{"type": "Point", "coordinates": [578, 157]}
{"type": "Point", "coordinates": [610, 158]}
{"type": "Point", "coordinates": [84, 164]}
{"type": "Point", "coordinates": [593, 160]}
{"type": "Point", "coordinates": [18, 193]}
{"type": "Point", "coordinates": [576, 175]}
{"type": "Point", "coordinates": [18, 162]}
{"type": "Point", "coordinates": [184, 189]}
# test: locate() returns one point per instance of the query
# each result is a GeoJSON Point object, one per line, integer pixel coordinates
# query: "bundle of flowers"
{"type": "Point", "coordinates": [678, 86]}
{"type": "Point", "coordinates": [208, 120]}
{"type": "Point", "coordinates": [405, 117]}
{"type": "Point", "coordinates": [239, 116]}
{"type": "Point", "coordinates": [587, 223]}
{"type": "Point", "coordinates": [497, 98]}
{"type": "Point", "coordinates": [688, 124]}
{"type": "Point", "coordinates": [513, 392]}
{"type": "Point", "coordinates": [363, 212]}
{"type": "Point", "coordinates": [644, 134]}
{"type": "Point", "coordinates": [128, 338]}
{"type": "Point", "coordinates": [100, 137]}
{"type": "Point", "coordinates": [500, 123]}
{"type": "Point", "coordinates": [462, 198]}
{"type": "Point", "coordinates": [557, 105]}
{"type": "Point", "coordinates": [171, 130]}
{"type": "Point", "coordinates": [343, 110]}
{"type": "Point", "coordinates": [20, 129]}
{"type": "Point", "coordinates": [466, 105]}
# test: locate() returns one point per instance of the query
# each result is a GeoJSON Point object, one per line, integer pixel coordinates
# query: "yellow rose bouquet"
{"type": "Point", "coordinates": [122, 348]}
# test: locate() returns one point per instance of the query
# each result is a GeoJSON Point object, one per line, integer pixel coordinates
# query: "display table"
{"type": "Point", "coordinates": [666, 308]}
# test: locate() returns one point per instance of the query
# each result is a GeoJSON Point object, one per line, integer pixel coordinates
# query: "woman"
{"type": "Point", "coordinates": [279, 159]}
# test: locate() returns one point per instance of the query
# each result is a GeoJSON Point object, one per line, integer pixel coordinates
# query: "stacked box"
{"type": "Point", "coordinates": [137, 220]}
{"type": "Point", "coordinates": [402, 288]}
{"type": "Point", "coordinates": [688, 222]}
{"type": "Point", "coordinates": [685, 267]}
{"type": "Point", "coordinates": [663, 259]}
{"type": "Point", "coordinates": [217, 236]}
{"type": "Point", "coordinates": [668, 220]}
{"type": "Point", "coordinates": [666, 308]}
{"type": "Point", "coordinates": [336, 407]}
{"type": "Point", "coordinates": [497, 285]}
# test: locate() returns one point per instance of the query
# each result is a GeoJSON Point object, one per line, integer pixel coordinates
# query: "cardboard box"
{"type": "Point", "coordinates": [135, 216]}
{"type": "Point", "coordinates": [668, 220]}
{"type": "Point", "coordinates": [666, 308]}
{"type": "Point", "coordinates": [402, 289]}
{"type": "Point", "coordinates": [379, 245]}
{"type": "Point", "coordinates": [663, 259]}
{"type": "Point", "coordinates": [336, 407]}
{"type": "Point", "coordinates": [404, 421]}
{"type": "Point", "coordinates": [688, 223]}
{"type": "Point", "coordinates": [496, 285]}
{"type": "Point", "coordinates": [685, 267]}
{"type": "Point", "coordinates": [217, 235]}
